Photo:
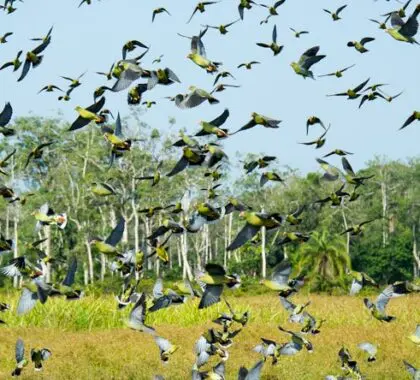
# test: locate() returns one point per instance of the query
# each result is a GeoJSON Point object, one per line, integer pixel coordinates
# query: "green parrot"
{"type": "Point", "coordinates": [213, 127]}
{"type": "Point", "coordinates": [223, 28]}
{"type": "Point", "coordinates": [131, 45]}
{"type": "Point", "coordinates": [413, 371]}
{"type": "Point", "coordinates": [190, 157]}
{"type": "Point", "coordinates": [353, 93]}
{"type": "Point", "coordinates": [269, 348]}
{"type": "Point", "coordinates": [235, 204]}
{"type": "Point", "coordinates": [298, 33]}
{"type": "Point", "coordinates": [336, 197]}
{"type": "Point", "coordinates": [33, 58]}
{"type": "Point", "coordinates": [404, 31]}
{"type": "Point", "coordinates": [102, 189]}
{"type": "Point", "coordinates": [253, 374]}
{"type": "Point", "coordinates": [377, 309]}
{"type": "Point", "coordinates": [415, 337]}
{"type": "Point", "coordinates": [166, 226]}
{"type": "Point", "coordinates": [269, 176]}
{"type": "Point", "coordinates": [194, 98]}
{"type": "Point", "coordinates": [360, 45]}
{"type": "Point", "coordinates": [261, 163]}
{"type": "Point", "coordinates": [414, 116]}
{"type": "Point", "coordinates": [294, 237]}
{"type": "Point", "coordinates": [293, 217]}
{"type": "Point", "coordinates": [280, 279]}
{"type": "Point", "coordinates": [248, 65]}
{"type": "Point", "coordinates": [21, 361]}
{"type": "Point", "coordinates": [223, 74]}
{"type": "Point", "coordinates": [33, 291]}
{"type": "Point", "coordinates": [3, 38]}
{"type": "Point", "coordinates": [66, 287]}
{"type": "Point", "coordinates": [128, 71]}
{"type": "Point", "coordinates": [186, 140]}
{"type": "Point", "coordinates": [351, 177]}
{"type": "Point", "coordinates": [86, 115]}
{"type": "Point", "coordinates": [107, 75]}
{"type": "Point", "coordinates": [244, 4]}
{"type": "Point", "coordinates": [15, 63]}
{"type": "Point", "coordinates": [66, 97]}
{"type": "Point", "coordinates": [348, 364]}
{"type": "Point", "coordinates": [216, 154]}
{"type": "Point", "coordinates": [137, 318]}
{"type": "Point", "coordinates": [49, 88]}
{"type": "Point", "coordinates": [338, 73]}
{"type": "Point", "coordinates": [275, 48]}
{"type": "Point", "coordinates": [37, 153]}
{"type": "Point", "coordinates": [46, 216]}
{"type": "Point", "coordinates": [201, 7]}
{"type": "Point", "coordinates": [204, 62]}
{"type": "Point", "coordinates": [306, 60]}
{"type": "Point", "coordinates": [272, 10]}
{"type": "Point", "coordinates": [257, 119]}
{"type": "Point", "coordinates": [336, 15]}
{"type": "Point", "coordinates": [311, 325]}
{"type": "Point", "coordinates": [254, 222]}
{"type": "Point", "coordinates": [166, 348]}
{"type": "Point", "coordinates": [213, 280]}
{"type": "Point", "coordinates": [4, 162]}
{"type": "Point", "coordinates": [108, 247]}
{"type": "Point", "coordinates": [163, 77]}
{"type": "Point", "coordinates": [215, 174]}
{"type": "Point", "coordinates": [135, 93]}
{"type": "Point", "coordinates": [357, 228]}
{"type": "Point", "coordinates": [158, 11]}
{"type": "Point", "coordinates": [39, 356]}
{"type": "Point", "coordinates": [370, 349]}
{"type": "Point", "coordinates": [21, 267]}
{"type": "Point", "coordinates": [338, 152]}
{"type": "Point", "coordinates": [241, 318]}
{"type": "Point", "coordinates": [74, 82]}
{"type": "Point", "coordinates": [359, 280]}
{"type": "Point", "coordinates": [155, 177]}
{"type": "Point", "coordinates": [319, 142]}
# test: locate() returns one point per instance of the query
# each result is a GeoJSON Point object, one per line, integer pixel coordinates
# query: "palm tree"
{"type": "Point", "coordinates": [326, 259]}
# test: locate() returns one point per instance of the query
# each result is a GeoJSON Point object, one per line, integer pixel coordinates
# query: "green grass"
{"type": "Point", "coordinates": [89, 341]}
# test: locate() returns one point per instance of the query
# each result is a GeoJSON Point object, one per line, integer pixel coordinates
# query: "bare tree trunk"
{"type": "Point", "coordinates": [90, 261]}
{"type": "Point", "coordinates": [135, 216]}
{"type": "Point", "coordinates": [7, 221]}
{"type": "Point", "coordinates": [85, 274]}
{"type": "Point", "coordinates": [416, 256]}
{"type": "Point", "coordinates": [48, 251]}
{"type": "Point", "coordinates": [15, 249]}
{"type": "Point", "coordinates": [103, 266]}
{"type": "Point", "coordinates": [348, 233]}
{"type": "Point", "coordinates": [186, 270]}
{"type": "Point", "coordinates": [384, 213]}
{"type": "Point", "coordinates": [263, 254]}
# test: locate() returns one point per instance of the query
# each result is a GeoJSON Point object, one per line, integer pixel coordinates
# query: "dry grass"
{"type": "Point", "coordinates": [85, 346]}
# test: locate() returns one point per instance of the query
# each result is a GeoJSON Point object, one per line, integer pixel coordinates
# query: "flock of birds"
{"type": "Point", "coordinates": [215, 342]}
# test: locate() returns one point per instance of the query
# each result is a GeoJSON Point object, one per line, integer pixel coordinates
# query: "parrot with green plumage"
{"type": "Point", "coordinates": [306, 61]}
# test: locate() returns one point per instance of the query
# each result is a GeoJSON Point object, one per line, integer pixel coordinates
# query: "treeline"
{"type": "Point", "coordinates": [386, 250]}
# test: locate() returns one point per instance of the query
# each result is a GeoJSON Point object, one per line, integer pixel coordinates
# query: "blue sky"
{"type": "Point", "coordinates": [90, 39]}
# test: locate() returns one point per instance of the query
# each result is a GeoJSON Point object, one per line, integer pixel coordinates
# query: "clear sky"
{"type": "Point", "coordinates": [90, 38]}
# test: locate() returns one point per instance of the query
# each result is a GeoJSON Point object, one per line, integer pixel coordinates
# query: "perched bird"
{"type": "Point", "coordinates": [414, 116]}
{"type": "Point", "coordinates": [21, 361]}
{"type": "Point", "coordinates": [258, 119]}
{"type": "Point", "coordinates": [166, 348]}
{"type": "Point", "coordinates": [298, 33]}
{"type": "Point", "coordinates": [336, 15]}
{"type": "Point", "coordinates": [158, 11]}
{"type": "Point", "coordinates": [108, 247]}
{"type": "Point", "coordinates": [306, 61]}
{"type": "Point", "coordinates": [360, 45]}
{"type": "Point", "coordinates": [248, 65]}
{"type": "Point", "coordinates": [88, 114]}
{"type": "Point", "coordinates": [338, 73]}
{"type": "Point", "coordinates": [137, 318]}
{"type": "Point", "coordinates": [353, 93]}
{"type": "Point", "coordinates": [254, 222]}
{"type": "Point", "coordinates": [201, 7]}
{"type": "Point", "coordinates": [39, 356]}
{"type": "Point", "coordinates": [370, 348]}
{"type": "Point", "coordinates": [377, 309]}
{"type": "Point", "coordinates": [37, 152]}
{"type": "Point", "coordinates": [275, 48]}
{"type": "Point", "coordinates": [213, 280]}
{"type": "Point", "coordinates": [223, 28]}
{"type": "Point", "coordinates": [404, 31]}
{"type": "Point", "coordinates": [415, 337]}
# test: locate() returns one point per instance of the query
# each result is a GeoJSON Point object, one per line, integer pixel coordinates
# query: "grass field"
{"type": "Point", "coordinates": [88, 339]}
